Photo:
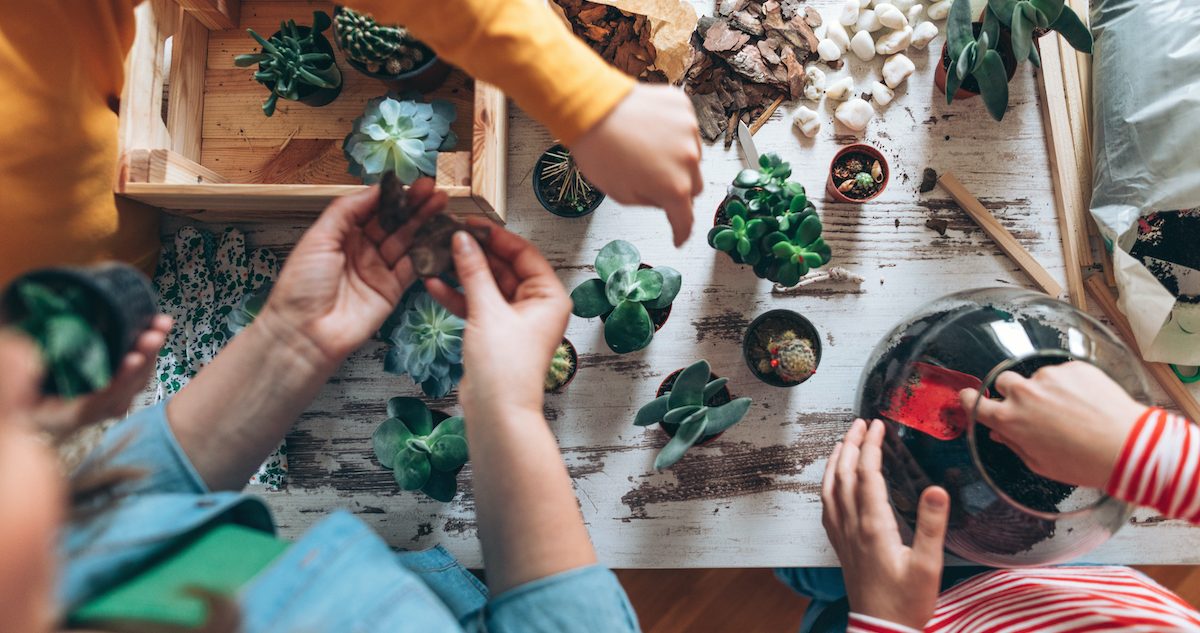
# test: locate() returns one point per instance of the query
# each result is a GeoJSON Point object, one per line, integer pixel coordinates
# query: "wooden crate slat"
{"type": "Point", "coordinates": [186, 89]}
{"type": "Point", "coordinates": [489, 146]}
{"type": "Point", "coordinates": [164, 166]}
{"type": "Point", "coordinates": [279, 161]}
{"type": "Point", "coordinates": [259, 202]}
{"type": "Point", "coordinates": [213, 14]}
{"type": "Point", "coordinates": [140, 124]}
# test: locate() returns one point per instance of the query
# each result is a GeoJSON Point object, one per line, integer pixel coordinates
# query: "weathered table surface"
{"type": "Point", "coordinates": [749, 499]}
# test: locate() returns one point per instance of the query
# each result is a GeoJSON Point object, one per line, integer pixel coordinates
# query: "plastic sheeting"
{"type": "Point", "coordinates": [1146, 148]}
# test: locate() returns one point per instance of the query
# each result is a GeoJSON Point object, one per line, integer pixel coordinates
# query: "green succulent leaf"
{"type": "Point", "coordinates": [743, 246]}
{"type": "Point", "coordinates": [810, 230]}
{"type": "Point", "coordinates": [1022, 30]}
{"type": "Point", "coordinates": [676, 416]}
{"type": "Point", "coordinates": [448, 453]}
{"type": "Point", "coordinates": [1074, 30]}
{"type": "Point", "coordinates": [689, 385]}
{"type": "Point", "coordinates": [1003, 9]}
{"type": "Point", "coordinates": [725, 239]}
{"type": "Point", "coordinates": [648, 286]}
{"type": "Point", "coordinates": [756, 228]}
{"type": "Point", "coordinates": [590, 299]}
{"type": "Point", "coordinates": [411, 469]}
{"type": "Point", "coordinates": [616, 255]}
{"type": "Point", "coordinates": [672, 281]}
{"type": "Point", "coordinates": [966, 60]}
{"type": "Point", "coordinates": [388, 439]}
{"type": "Point", "coordinates": [653, 412]}
{"type": "Point", "coordinates": [1035, 58]}
{"type": "Point", "coordinates": [414, 414]}
{"type": "Point", "coordinates": [685, 437]}
{"type": "Point", "coordinates": [620, 285]}
{"type": "Point", "coordinates": [747, 178]}
{"type": "Point", "coordinates": [953, 83]}
{"type": "Point", "coordinates": [958, 28]}
{"type": "Point", "coordinates": [727, 415]}
{"type": "Point", "coordinates": [441, 486]}
{"type": "Point", "coordinates": [735, 208]}
{"type": "Point", "coordinates": [628, 328]}
{"type": "Point", "coordinates": [789, 273]}
{"type": "Point", "coordinates": [450, 426]}
{"type": "Point", "coordinates": [713, 388]}
{"type": "Point", "coordinates": [782, 250]}
{"type": "Point", "coordinates": [993, 84]}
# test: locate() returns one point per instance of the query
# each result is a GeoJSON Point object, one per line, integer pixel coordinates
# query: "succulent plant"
{"type": "Point", "coordinates": [684, 414]}
{"type": "Point", "coordinates": [792, 358]}
{"type": "Point", "coordinates": [765, 210]}
{"type": "Point", "coordinates": [561, 366]}
{"type": "Point", "coordinates": [289, 61]}
{"type": "Point", "coordinates": [624, 294]}
{"type": "Point", "coordinates": [403, 137]}
{"type": "Point", "coordinates": [380, 49]}
{"type": "Point", "coordinates": [422, 456]}
{"type": "Point", "coordinates": [426, 343]}
{"type": "Point", "coordinates": [75, 354]}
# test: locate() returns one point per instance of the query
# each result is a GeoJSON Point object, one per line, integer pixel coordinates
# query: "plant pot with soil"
{"type": "Point", "coordinates": [858, 173]}
{"type": "Point", "coordinates": [296, 63]}
{"type": "Point", "coordinates": [387, 53]}
{"type": "Point", "coordinates": [631, 298]}
{"type": "Point", "coordinates": [768, 222]}
{"type": "Point", "coordinates": [425, 450]}
{"type": "Point", "coordinates": [561, 188]}
{"type": "Point", "coordinates": [563, 366]}
{"type": "Point", "coordinates": [782, 348]}
{"type": "Point", "coordinates": [84, 321]}
{"type": "Point", "coordinates": [693, 406]}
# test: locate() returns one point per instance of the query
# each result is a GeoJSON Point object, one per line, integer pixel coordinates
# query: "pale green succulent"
{"type": "Point", "coordinates": [403, 137]}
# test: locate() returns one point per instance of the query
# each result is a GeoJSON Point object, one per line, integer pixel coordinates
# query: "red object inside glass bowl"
{"type": "Point", "coordinates": [928, 401]}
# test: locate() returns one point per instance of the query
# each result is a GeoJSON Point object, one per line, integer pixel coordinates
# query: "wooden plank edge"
{"type": "Point", "coordinates": [489, 152]}
{"type": "Point", "coordinates": [260, 202]}
{"type": "Point", "coordinates": [185, 100]}
{"type": "Point", "coordinates": [216, 15]}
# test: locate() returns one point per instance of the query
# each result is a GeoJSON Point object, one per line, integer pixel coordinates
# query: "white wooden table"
{"type": "Point", "coordinates": [751, 498]}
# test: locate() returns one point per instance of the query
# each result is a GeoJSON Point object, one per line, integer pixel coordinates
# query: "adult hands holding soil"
{"type": "Point", "coordinates": [1068, 422]}
{"type": "Point", "coordinates": [885, 579]}
{"type": "Point", "coordinates": [647, 152]}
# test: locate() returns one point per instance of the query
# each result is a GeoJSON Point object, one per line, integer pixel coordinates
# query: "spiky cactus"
{"type": "Point", "coordinates": [381, 49]}
{"type": "Point", "coordinates": [561, 366]}
{"type": "Point", "coordinates": [792, 358]}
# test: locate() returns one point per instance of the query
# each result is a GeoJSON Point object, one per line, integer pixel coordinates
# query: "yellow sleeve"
{"type": "Point", "coordinates": [520, 46]}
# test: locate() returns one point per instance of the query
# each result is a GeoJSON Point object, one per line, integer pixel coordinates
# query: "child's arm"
{"type": "Point", "coordinates": [1159, 466]}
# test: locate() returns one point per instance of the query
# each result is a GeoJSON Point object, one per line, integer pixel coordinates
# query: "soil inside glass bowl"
{"type": "Point", "coordinates": [852, 164]}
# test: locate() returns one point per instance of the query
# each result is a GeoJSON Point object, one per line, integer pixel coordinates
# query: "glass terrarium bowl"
{"type": "Point", "coordinates": [1002, 514]}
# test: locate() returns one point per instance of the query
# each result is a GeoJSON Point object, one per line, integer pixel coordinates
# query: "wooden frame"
{"type": "Point", "coordinates": [213, 155]}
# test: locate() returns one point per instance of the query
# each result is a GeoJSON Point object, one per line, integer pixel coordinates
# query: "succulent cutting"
{"type": "Point", "coordinates": [624, 296]}
{"type": "Point", "coordinates": [402, 137]}
{"type": "Point", "coordinates": [75, 354]}
{"type": "Point", "coordinates": [294, 63]}
{"type": "Point", "coordinates": [389, 50]}
{"type": "Point", "coordinates": [423, 454]}
{"type": "Point", "coordinates": [426, 343]}
{"type": "Point", "coordinates": [684, 412]}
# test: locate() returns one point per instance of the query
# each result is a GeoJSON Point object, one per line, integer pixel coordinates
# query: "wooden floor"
{"type": "Point", "coordinates": [752, 601]}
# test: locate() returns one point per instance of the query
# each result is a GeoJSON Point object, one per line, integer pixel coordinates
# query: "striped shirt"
{"type": "Point", "coordinates": [1159, 467]}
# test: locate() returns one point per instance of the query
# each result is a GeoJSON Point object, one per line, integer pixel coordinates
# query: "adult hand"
{"type": "Point", "coordinates": [60, 417]}
{"type": "Point", "coordinates": [885, 579]}
{"type": "Point", "coordinates": [516, 311]}
{"type": "Point", "coordinates": [1068, 422]}
{"type": "Point", "coordinates": [346, 274]}
{"type": "Point", "coordinates": [647, 152]}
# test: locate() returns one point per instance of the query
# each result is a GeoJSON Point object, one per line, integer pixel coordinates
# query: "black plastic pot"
{"type": "Point", "coordinates": [755, 339]}
{"type": "Point", "coordinates": [544, 198]}
{"type": "Point", "coordinates": [316, 96]}
{"type": "Point", "coordinates": [574, 366]}
{"type": "Point", "coordinates": [424, 78]}
{"type": "Point", "coordinates": [122, 299]}
{"type": "Point", "coordinates": [658, 317]}
{"type": "Point", "coordinates": [723, 396]}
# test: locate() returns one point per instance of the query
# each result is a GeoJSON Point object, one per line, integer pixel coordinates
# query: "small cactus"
{"type": "Point", "coordinates": [381, 49]}
{"type": "Point", "coordinates": [561, 366]}
{"type": "Point", "coordinates": [792, 358]}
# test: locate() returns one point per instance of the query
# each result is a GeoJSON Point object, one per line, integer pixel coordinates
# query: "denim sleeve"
{"type": "Point", "coordinates": [584, 600]}
{"type": "Point", "coordinates": [144, 442]}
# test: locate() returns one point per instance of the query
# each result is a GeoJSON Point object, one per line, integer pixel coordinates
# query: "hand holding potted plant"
{"type": "Point", "coordinates": [425, 450]}
{"type": "Point", "coordinates": [693, 407]}
{"type": "Point", "coordinates": [633, 299]}
{"type": "Point", "coordinates": [296, 63]}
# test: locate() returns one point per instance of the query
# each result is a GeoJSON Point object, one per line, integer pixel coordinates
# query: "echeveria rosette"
{"type": "Point", "coordinates": [795, 254]}
{"type": "Point", "coordinates": [427, 345]}
{"type": "Point", "coordinates": [624, 294]}
{"type": "Point", "coordinates": [682, 412]}
{"type": "Point", "coordinates": [422, 456]}
{"type": "Point", "coordinates": [403, 137]}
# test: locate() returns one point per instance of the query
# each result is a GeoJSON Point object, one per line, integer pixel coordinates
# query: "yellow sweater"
{"type": "Point", "coordinates": [61, 65]}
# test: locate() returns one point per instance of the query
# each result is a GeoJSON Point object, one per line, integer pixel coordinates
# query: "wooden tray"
{"type": "Point", "coordinates": [194, 140]}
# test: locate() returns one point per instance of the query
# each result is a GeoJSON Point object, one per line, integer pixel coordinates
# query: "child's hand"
{"type": "Point", "coordinates": [885, 579]}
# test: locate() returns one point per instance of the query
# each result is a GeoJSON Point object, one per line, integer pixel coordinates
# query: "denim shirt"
{"type": "Point", "coordinates": [340, 576]}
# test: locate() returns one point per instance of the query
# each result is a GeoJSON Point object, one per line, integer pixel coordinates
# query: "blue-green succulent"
{"type": "Point", "coordinates": [403, 137]}
{"type": "Point", "coordinates": [426, 343]}
{"type": "Point", "coordinates": [683, 412]}
{"type": "Point", "coordinates": [624, 294]}
{"type": "Point", "coordinates": [423, 455]}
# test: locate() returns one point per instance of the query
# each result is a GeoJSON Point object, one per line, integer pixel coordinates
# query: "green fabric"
{"type": "Point", "coordinates": [221, 561]}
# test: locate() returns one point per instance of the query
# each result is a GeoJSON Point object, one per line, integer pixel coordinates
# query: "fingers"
{"type": "Point", "coordinates": [396, 245]}
{"type": "Point", "coordinates": [988, 411]}
{"type": "Point", "coordinates": [680, 215]}
{"type": "Point", "coordinates": [830, 513]}
{"type": "Point", "coordinates": [877, 518]}
{"type": "Point", "coordinates": [348, 211]}
{"type": "Point", "coordinates": [522, 256]}
{"type": "Point", "coordinates": [1009, 382]}
{"type": "Point", "coordinates": [20, 373]}
{"type": "Point", "coordinates": [932, 515]}
{"type": "Point", "coordinates": [846, 473]}
{"type": "Point", "coordinates": [473, 272]}
{"type": "Point", "coordinates": [451, 299]}
{"type": "Point", "coordinates": [416, 196]}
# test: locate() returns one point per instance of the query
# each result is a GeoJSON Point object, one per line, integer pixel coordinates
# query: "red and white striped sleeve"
{"type": "Point", "coordinates": [860, 623]}
{"type": "Point", "coordinates": [1159, 466]}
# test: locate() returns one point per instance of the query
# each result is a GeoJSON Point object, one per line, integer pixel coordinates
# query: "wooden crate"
{"type": "Point", "coordinates": [194, 140]}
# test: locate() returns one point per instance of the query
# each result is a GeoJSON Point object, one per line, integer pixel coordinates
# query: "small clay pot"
{"type": "Point", "coordinates": [754, 343]}
{"type": "Point", "coordinates": [310, 95]}
{"type": "Point", "coordinates": [969, 87]}
{"type": "Point", "coordinates": [723, 396]}
{"type": "Point", "coordinates": [861, 148]}
{"type": "Point", "coordinates": [657, 317]}
{"type": "Point", "coordinates": [574, 366]}
{"type": "Point", "coordinates": [424, 78]}
{"type": "Point", "coordinates": [543, 197]}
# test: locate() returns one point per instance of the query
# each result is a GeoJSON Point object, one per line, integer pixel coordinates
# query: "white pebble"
{"type": "Point", "coordinates": [807, 121]}
{"type": "Point", "coordinates": [914, 14]}
{"type": "Point", "coordinates": [897, 69]}
{"type": "Point", "coordinates": [838, 34]}
{"type": "Point", "coordinates": [923, 34]}
{"type": "Point", "coordinates": [841, 89]}
{"type": "Point", "coordinates": [881, 94]}
{"type": "Point", "coordinates": [894, 42]}
{"type": "Point", "coordinates": [855, 114]}
{"type": "Point", "coordinates": [850, 9]}
{"type": "Point", "coordinates": [814, 83]}
{"type": "Point", "coordinates": [863, 46]}
{"type": "Point", "coordinates": [890, 16]}
{"type": "Point", "coordinates": [868, 21]}
{"type": "Point", "coordinates": [939, 10]}
{"type": "Point", "coordinates": [903, 5]}
{"type": "Point", "coordinates": [829, 51]}
{"type": "Point", "coordinates": [862, 4]}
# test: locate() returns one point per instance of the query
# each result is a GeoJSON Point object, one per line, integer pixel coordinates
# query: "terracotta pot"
{"type": "Point", "coordinates": [797, 322]}
{"type": "Point", "coordinates": [662, 388]}
{"type": "Point", "coordinates": [838, 196]}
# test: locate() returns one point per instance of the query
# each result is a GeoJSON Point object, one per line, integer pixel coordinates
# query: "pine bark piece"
{"type": "Point", "coordinates": [394, 210]}
{"type": "Point", "coordinates": [430, 251]}
{"type": "Point", "coordinates": [721, 37]}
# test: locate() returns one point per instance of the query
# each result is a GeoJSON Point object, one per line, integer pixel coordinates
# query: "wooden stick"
{"type": "Point", "coordinates": [1176, 390]}
{"type": "Point", "coordinates": [1001, 235]}
{"type": "Point", "coordinates": [762, 118]}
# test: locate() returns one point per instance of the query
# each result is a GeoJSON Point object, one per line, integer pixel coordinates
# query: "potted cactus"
{"type": "Point", "coordinates": [857, 173]}
{"type": "Point", "coordinates": [563, 366]}
{"type": "Point", "coordinates": [561, 188]}
{"type": "Point", "coordinates": [425, 450]}
{"type": "Point", "coordinates": [633, 299]}
{"type": "Point", "coordinates": [387, 53]}
{"type": "Point", "coordinates": [768, 222]}
{"type": "Point", "coordinates": [693, 406]}
{"type": "Point", "coordinates": [782, 348]}
{"type": "Point", "coordinates": [296, 63]}
{"type": "Point", "coordinates": [402, 137]}
{"type": "Point", "coordinates": [426, 343]}
{"type": "Point", "coordinates": [84, 321]}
